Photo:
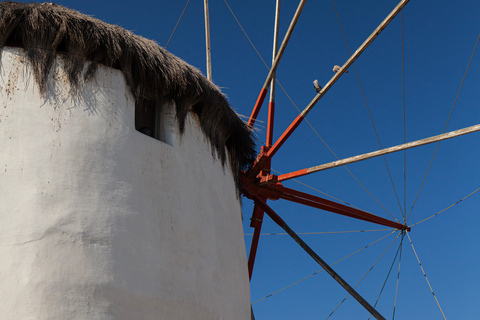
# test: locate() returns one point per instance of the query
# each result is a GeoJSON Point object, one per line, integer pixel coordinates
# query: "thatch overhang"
{"type": "Point", "coordinates": [49, 31]}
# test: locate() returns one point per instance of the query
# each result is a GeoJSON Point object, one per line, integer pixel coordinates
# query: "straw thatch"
{"type": "Point", "coordinates": [47, 31]}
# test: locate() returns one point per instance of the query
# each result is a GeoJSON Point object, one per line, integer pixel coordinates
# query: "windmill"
{"type": "Point", "coordinates": [260, 185]}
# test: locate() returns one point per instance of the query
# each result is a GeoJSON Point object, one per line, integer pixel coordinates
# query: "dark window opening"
{"type": "Point", "coordinates": [148, 119]}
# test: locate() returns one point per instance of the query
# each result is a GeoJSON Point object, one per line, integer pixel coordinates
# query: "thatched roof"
{"type": "Point", "coordinates": [44, 30]}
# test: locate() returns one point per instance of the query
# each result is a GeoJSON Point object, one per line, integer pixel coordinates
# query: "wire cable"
{"type": "Point", "coordinates": [368, 109]}
{"type": "Point", "coordinates": [245, 33]}
{"type": "Point", "coordinates": [291, 285]}
{"type": "Point", "coordinates": [177, 24]}
{"type": "Point", "coordinates": [436, 214]}
{"type": "Point", "coordinates": [424, 274]}
{"type": "Point", "coordinates": [445, 128]}
{"type": "Point", "coordinates": [398, 274]}
{"type": "Point", "coordinates": [363, 276]}
{"type": "Point", "coordinates": [386, 279]}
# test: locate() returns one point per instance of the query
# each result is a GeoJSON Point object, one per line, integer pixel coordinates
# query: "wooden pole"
{"type": "Point", "coordinates": [381, 152]}
{"type": "Point", "coordinates": [271, 105]}
{"type": "Point", "coordinates": [207, 39]}
{"type": "Point", "coordinates": [275, 47]}
{"type": "Point", "coordinates": [319, 260]}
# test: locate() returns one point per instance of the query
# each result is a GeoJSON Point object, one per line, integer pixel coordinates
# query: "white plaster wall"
{"type": "Point", "coordinates": [98, 221]}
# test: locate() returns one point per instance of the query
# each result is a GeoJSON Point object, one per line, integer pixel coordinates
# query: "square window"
{"type": "Point", "coordinates": [148, 119]}
{"type": "Point", "coordinates": [156, 120]}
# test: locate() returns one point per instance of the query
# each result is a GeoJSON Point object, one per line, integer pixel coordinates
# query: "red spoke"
{"type": "Point", "coordinates": [256, 222]}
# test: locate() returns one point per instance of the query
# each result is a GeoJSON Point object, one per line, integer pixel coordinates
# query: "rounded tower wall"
{"type": "Point", "coordinates": [99, 221]}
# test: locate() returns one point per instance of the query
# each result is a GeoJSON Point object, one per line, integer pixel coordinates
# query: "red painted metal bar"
{"type": "Point", "coordinates": [257, 219]}
{"type": "Point", "coordinates": [293, 175]}
{"type": "Point", "coordinates": [331, 206]}
{"type": "Point", "coordinates": [271, 114]}
{"type": "Point", "coordinates": [287, 133]}
{"type": "Point", "coordinates": [321, 206]}
{"type": "Point", "coordinates": [274, 216]}
{"type": "Point", "coordinates": [265, 157]}
{"type": "Point", "coordinates": [257, 107]}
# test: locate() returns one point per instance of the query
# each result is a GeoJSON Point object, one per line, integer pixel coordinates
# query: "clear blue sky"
{"type": "Point", "coordinates": [439, 37]}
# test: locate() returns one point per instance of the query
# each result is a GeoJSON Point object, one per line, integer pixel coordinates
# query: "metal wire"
{"type": "Point", "coordinates": [177, 24]}
{"type": "Point", "coordinates": [363, 276]}
{"type": "Point", "coordinates": [436, 214]}
{"type": "Point", "coordinates": [386, 279]}
{"type": "Point", "coordinates": [291, 285]}
{"type": "Point", "coordinates": [245, 33]}
{"type": "Point", "coordinates": [448, 119]}
{"type": "Point", "coordinates": [369, 113]}
{"type": "Point", "coordinates": [424, 274]}
{"type": "Point", "coordinates": [398, 274]}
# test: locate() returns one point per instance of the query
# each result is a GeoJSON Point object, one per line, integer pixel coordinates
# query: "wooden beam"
{"type": "Point", "coordinates": [409, 145]}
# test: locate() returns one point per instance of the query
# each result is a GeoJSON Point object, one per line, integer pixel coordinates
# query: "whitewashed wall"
{"type": "Point", "coordinates": [98, 221]}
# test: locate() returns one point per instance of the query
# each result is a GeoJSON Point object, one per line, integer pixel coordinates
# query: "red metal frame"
{"type": "Point", "coordinates": [259, 185]}
{"type": "Point", "coordinates": [272, 190]}
{"type": "Point", "coordinates": [264, 157]}
{"type": "Point", "coordinates": [285, 135]}
{"type": "Point", "coordinates": [267, 187]}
